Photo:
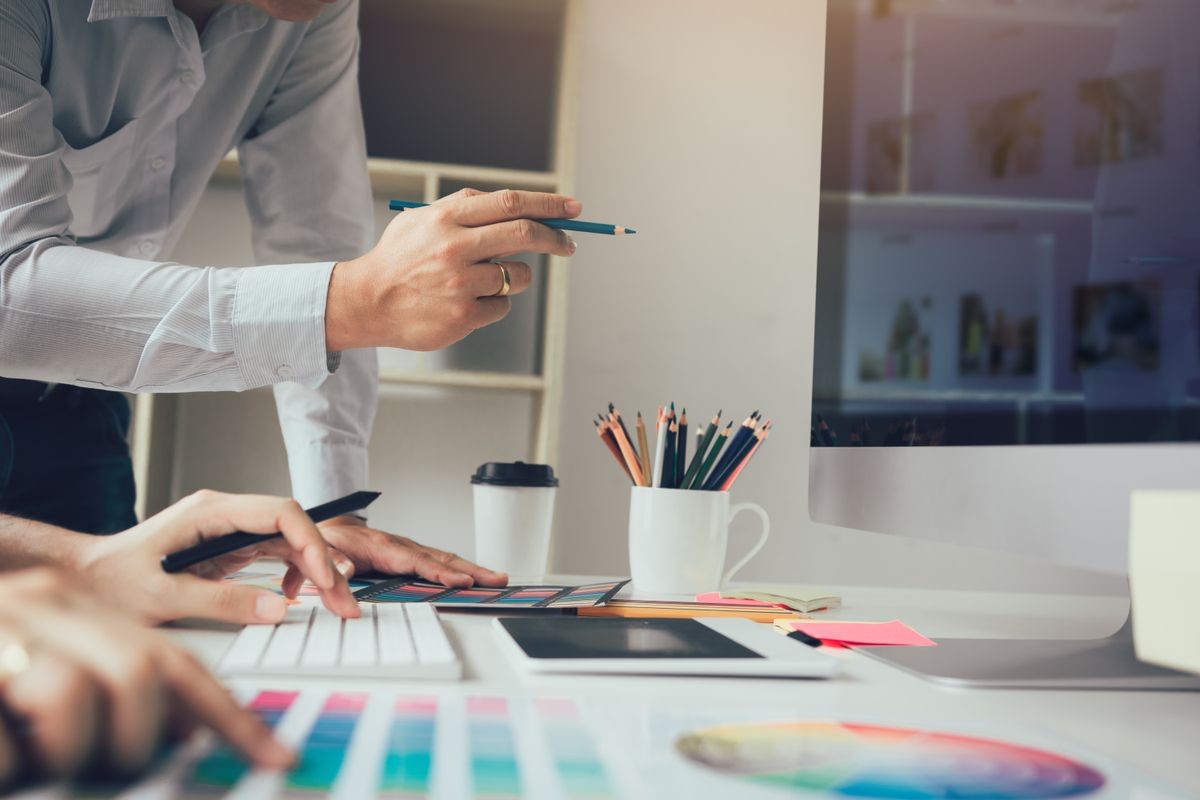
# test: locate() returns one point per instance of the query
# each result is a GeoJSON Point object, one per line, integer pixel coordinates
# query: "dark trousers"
{"type": "Point", "coordinates": [64, 456]}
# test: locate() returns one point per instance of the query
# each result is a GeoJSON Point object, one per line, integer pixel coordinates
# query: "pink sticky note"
{"type": "Point", "coordinates": [715, 597]}
{"type": "Point", "coordinates": [863, 633]}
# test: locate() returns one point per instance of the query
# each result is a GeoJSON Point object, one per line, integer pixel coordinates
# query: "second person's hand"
{"type": "Point", "coordinates": [431, 279]}
{"type": "Point", "coordinates": [125, 568]}
{"type": "Point", "coordinates": [84, 689]}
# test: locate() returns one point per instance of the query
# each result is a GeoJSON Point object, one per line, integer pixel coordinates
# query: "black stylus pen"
{"type": "Point", "coordinates": [190, 556]}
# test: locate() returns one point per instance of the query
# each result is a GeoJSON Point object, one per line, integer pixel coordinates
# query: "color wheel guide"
{"type": "Point", "coordinates": [396, 745]}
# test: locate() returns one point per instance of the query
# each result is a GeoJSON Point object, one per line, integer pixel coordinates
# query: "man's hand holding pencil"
{"type": "Point", "coordinates": [439, 272]}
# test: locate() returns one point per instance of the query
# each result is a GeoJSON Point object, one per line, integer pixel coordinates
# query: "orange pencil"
{"type": "Point", "coordinates": [643, 445]}
{"type": "Point", "coordinates": [635, 470]}
{"type": "Point", "coordinates": [611, 444]}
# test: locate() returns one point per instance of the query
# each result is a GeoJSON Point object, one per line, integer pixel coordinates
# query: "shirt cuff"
{"type": "Point", "coordinates": [279, 324]}
{"type": "Point", "coordinates": [326, 471]}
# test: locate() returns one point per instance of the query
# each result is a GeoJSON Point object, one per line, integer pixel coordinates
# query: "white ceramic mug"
{"type": "Point", "coordinates": [678, 539]}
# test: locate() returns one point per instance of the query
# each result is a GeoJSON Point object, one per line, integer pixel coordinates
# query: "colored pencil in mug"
{"type": "Point", "coordinates": [681, 445]}
{"type": "Point", "coordinates": [735, 444]}
{"type": "Point", "coordinates": [760, 437]}
{"type": "Point", "coordinates": [615, 413]}
{"type": "Point", "coordinates": [701, 446]}
{"type": "Point", "coordinates": [626, 447]}
{"type": "Point", "coordinates": [668, 481]}
{"type": "Point", "coordinates": [576, 225]}
{"type": "Point", "coordinates": [711, 458]}
{"type": "Point", "coordinates": [660, 444]}
{"type": "Point", "coordinates": [611, 444]}
{"type": "Point", "coordinates": [643, 445]}
{"type": "Point", "coordinates": [724, 469]}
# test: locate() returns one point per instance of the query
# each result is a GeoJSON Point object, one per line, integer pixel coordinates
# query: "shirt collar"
{"type": "Point", "coordinates": [245, 18]}
{"type": "Point", "coordinates": [114, 9]}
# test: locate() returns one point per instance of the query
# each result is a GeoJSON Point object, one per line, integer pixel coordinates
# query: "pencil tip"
{"type": "Point", "coordinates": [629, 231]}
{"type": "Point", "coordinates": [672, 405]}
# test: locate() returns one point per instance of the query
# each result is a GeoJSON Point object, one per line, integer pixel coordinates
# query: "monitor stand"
{"type": "Point", "coordinates": [1108, 663]}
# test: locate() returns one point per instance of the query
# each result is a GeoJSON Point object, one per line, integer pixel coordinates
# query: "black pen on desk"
{"type": "Point", "coordinates": [801, 636]}
{"type": "Point", "coordinates": [190, 556]}
{"type": "Point", "coordinates": [579, 226]}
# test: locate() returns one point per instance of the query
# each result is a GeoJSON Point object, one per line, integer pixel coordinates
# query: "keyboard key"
{"type": "Point", "coordinates": [324, 640]}
{"type": "Point", "coordinates": [358, 640]}
{"type": "Point", "coordinates": [395, 639]}
{"type": "Point", "coordinates": [432, 645]}
{"type": "Point", "coordinates": [247, 647]}
{"type": "Point", "coordinates": [288, 643]}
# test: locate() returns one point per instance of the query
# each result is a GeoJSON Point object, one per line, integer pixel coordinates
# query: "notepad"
{"type": "Point", "coordinates": [407, 590]}
{"type": "Point", "coordinates": [793, 597]}
{"type": "Point", "coordinates": [853, 634]}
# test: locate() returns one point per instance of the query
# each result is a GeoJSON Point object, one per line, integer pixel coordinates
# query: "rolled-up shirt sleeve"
{"type": "Point", "coordinates": [309, 193]}
{"type": "Point", "coordinates": [70, 314]}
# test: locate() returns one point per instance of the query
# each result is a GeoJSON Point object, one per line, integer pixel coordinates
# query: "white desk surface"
{"type": "Point", "coordinates": [1156, 732]}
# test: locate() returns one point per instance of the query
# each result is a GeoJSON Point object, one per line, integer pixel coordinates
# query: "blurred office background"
{"type": "Point", "coordinates": [698, 122]}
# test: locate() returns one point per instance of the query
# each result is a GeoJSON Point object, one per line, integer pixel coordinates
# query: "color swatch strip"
{"type": "Point", "coordinates": [573, 749]}
{"type": "Point", "coordinates": [494, 768]}
{"type": "Point", "coordinates": [328, 741]}
{"type": "Point", "coordinates": [222, 767]}
{"type": "Point", "coordinates": [408, 757]}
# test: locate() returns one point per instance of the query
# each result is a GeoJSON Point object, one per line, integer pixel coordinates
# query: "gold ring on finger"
{"type": "Point", "coordinates": [505, 281]}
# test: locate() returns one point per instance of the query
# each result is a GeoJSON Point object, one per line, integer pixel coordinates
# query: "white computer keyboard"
{"type": "Point", "coordinates": [389, 640]}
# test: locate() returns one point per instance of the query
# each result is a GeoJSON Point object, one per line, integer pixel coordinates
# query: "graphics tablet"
{"type": "Point", "coordinates": [716, 646]}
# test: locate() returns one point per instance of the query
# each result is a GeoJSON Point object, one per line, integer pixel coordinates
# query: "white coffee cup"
{"type": "Point", "coordinates": [678, 539]}
{"type": "Point", "coordinates": [514, 512]}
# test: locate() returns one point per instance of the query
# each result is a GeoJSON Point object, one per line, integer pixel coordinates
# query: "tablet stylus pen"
{"type": "Point", "coordinates": [561, 224]}
{"type": "Point", "coordinates": [190, 556]}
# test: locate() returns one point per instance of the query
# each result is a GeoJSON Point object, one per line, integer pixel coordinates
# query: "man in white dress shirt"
{"type": "Point", "coordinates": [113, 116]}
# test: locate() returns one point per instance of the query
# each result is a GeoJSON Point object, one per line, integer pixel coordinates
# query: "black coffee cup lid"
{"type": "Point", "coordinates": [517, 473]}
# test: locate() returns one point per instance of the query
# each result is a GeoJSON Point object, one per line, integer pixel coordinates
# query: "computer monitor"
{"type": "Point", "coordinates": [1007, 335]}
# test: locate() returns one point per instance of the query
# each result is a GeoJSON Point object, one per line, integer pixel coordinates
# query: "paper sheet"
{"type": "Point", "coordinates": [859, 633]}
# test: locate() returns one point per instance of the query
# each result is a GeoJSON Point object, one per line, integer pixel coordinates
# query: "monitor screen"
{"type": "Point", "coordinates": [1009, 249]}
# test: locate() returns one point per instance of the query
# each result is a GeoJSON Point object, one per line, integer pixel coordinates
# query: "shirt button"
{"type": "Point", "coordinates": [187, 77]}
{"type": "Point", "coordinates": [146, 247]}
{"type": "Point", "coordinates": [157, 164]}
{"type": "Point", "coordinates": [284, 372]}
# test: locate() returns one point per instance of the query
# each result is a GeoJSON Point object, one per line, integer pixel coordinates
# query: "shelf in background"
{"type": "Point", "coordinates": [463, 379]}
{"type": "Point", "coordinates": [419, 179]}
{"type": "Point", "coordinates": [951, 202]}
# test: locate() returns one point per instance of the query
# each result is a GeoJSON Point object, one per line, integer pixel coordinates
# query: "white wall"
{"type": "Point", "coordinates": [700, 126]}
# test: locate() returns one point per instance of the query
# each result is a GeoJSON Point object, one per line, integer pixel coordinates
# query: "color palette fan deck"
{"type": "Point", "coordinates": [871, 761]}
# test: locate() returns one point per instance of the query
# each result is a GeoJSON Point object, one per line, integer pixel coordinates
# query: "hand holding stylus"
{"type": "Point", "coordinates": [125, 567]}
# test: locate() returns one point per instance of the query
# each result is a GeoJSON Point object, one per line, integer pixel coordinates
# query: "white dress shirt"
{"type": "Point", "coordinates": [113, 116]}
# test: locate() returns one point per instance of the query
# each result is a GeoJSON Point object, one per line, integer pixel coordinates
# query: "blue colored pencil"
{"type": "Point", "coordinates": [561, 224]}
